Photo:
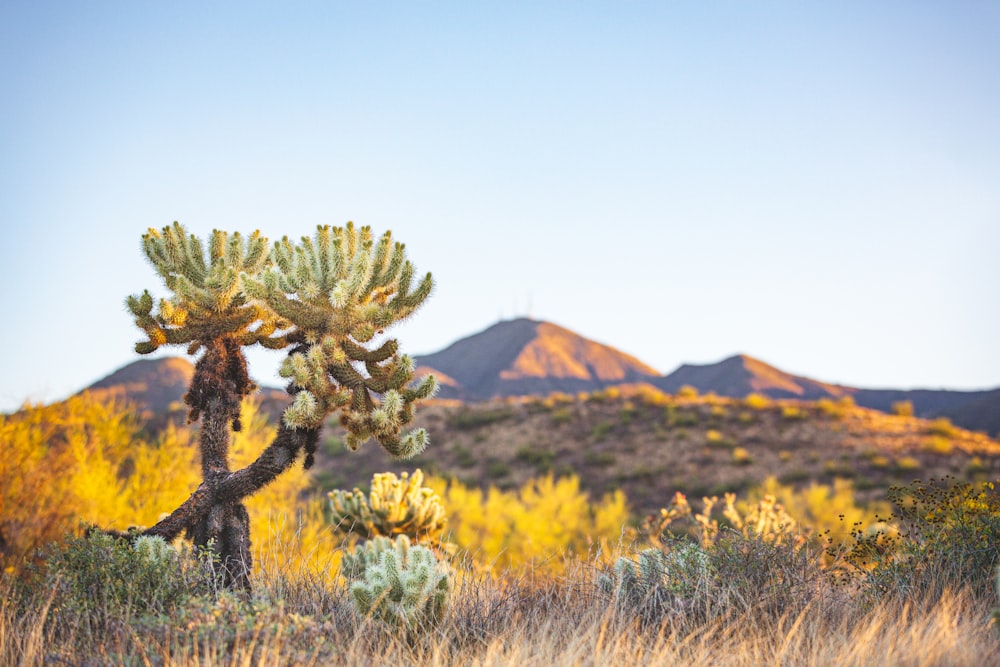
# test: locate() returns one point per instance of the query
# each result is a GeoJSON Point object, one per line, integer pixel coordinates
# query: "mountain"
{"type": "Point", "coordinates": [526, 357]}
{"type": "Point", "coordinates": [157, 387]}
{"type": "Point", "coordinates": [741, 375]}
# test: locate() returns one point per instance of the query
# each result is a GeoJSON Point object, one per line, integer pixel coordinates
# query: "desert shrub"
{"type": "Point", "coordinates": [562, 415]}
{"type": "Point", "coordinates": [605, 395]}
{"type": "Point", "coordinates": [600, 430]}
{"type": "Point", "coordinates": [687, 392]}
{"type": "Point", "coordinates": [741, 456]}
{"type": "Point", "coordinates": [795, 475]}
{"type": "Point", "coordinates": [908, 464]}
{"type": "Point", "coordinates": [903, 408]}
{"type": "Point", "coordinates": [766, 519]}
{"type": "Point", "coordinates": [753, 559]}
{"type": "Point", "coordinates": [556, 399]}
{"type": "Point", "coordinates": [542, 459]}
{"type": "Point", "coordinates": [793, 413]}
{"type": "Point", "coordinates": [472, 418]}
{"type": "Point", "coordinates": [880, 461]}
{"type": "Point", "coordinates": [464, 458]}
{"type": "Point", "coordinates": [496, 469]}
{"type": "Point", "coordinates": [842, 469]}
{"type": "Point", "coordinates": [83, 460]}
{"type": "Point", "coordinates": [658, 580]}
{"type": "Point", "coordinates": [739, 573]}
{"type": "Point", "coordinates": [820, 509]}
{"type": "Point", "coordinates": [714, 438]}
{"type": "Point", "coordinates": [686, 418]}
{"type": "Point", "coordinates": [829, 408]}
{"type": "Point", "coordinates": [975, 465]}
{"type": "Point", "coordinates": [599, 458]}
{"type": "Point", "coordinates": [652, 397]}
{"type": "Point", "coordinates": [938, 444]}
{"type": "Point", "coordinates": [944, 535]}
{"type": "Point", "coordinates": [99, 582]}
{"type": "Point", "coordinates": [942, 426]}
{"type": "Point", "coordinates": [539, 524]}
{"type": "Point", "coordinates": [757, 401]}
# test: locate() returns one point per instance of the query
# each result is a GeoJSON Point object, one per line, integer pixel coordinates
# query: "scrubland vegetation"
{"type": "Point", "coordinates": [495, 568]}
{"type": "Point", "coordinates": [772, 575]}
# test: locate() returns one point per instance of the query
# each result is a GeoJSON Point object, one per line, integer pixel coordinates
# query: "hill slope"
{"type": "Point", "coordinates": [651, 446]}
{"type": "Point", "coordinates": [527, 357]}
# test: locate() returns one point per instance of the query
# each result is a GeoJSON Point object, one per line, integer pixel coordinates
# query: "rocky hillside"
{"type": "Point", "coordinates": [652, 445]}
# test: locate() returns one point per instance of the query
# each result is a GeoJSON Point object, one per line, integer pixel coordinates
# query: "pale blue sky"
{"type": "Point", "coordinates": [814, 184]}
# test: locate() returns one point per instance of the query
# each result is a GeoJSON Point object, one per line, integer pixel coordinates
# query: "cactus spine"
{"type": "Point", "coordinates": [395, 506]}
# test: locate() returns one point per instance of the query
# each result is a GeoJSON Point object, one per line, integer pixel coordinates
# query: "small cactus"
{"type": "Point", "coordinates": [400, 584]}
{"type": "Point", "coordinates": [395, 506]}
{"type": "Point", "coordinates": [153, 549]}
{"type": "Point", "coordinates": [657, 575]}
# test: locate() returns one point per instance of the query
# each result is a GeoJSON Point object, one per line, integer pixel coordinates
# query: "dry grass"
{"type": "Point", "coordinates": [305, 619]}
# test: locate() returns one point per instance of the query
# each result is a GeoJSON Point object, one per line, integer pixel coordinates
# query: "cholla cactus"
{"type": "Point", "coordinates": [339, 290]}
{"type": "Point", "coordinates": [658, 574]}
{"type": "Point", "coordinates": [207, 301]}
{"type": "Point", "coordinates": [399, 584]}
{"type": "Point", "coordinates": [395, 506]}
{"type": "Point", "coordinates": [328, 297]}
{"type": "Point", "coordinates": [153, 549]}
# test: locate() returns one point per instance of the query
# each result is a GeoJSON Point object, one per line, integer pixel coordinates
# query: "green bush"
{"type": "Point", "coordinates": [542, 459]}
{"type": "Point", "coordinates": [600, 430]}
{"type": "Point", "coordinates": [475, 418]}
{"type": "Point", "coordinates": [737, 575]}
{"type": "Point", "coordinates": [99, 582]}
{"type": "Point", "coordinates": [599, 458]}
{"type": "Point", "coordinates": [945, 536]}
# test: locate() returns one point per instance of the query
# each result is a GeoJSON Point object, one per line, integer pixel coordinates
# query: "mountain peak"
{"type": "Point", "coordinates": [526, 356]}
{"type": "Point", "coordinates": [742, 374]}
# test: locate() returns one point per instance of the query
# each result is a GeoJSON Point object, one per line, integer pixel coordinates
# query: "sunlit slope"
{"type": "Point", "coordinates": [527, 357]}
{"type": "Point", "coordinates": [652, 446]}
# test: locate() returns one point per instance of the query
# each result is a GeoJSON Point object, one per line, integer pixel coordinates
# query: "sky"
{"type": "Point", "coordinates": [814, 184]}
